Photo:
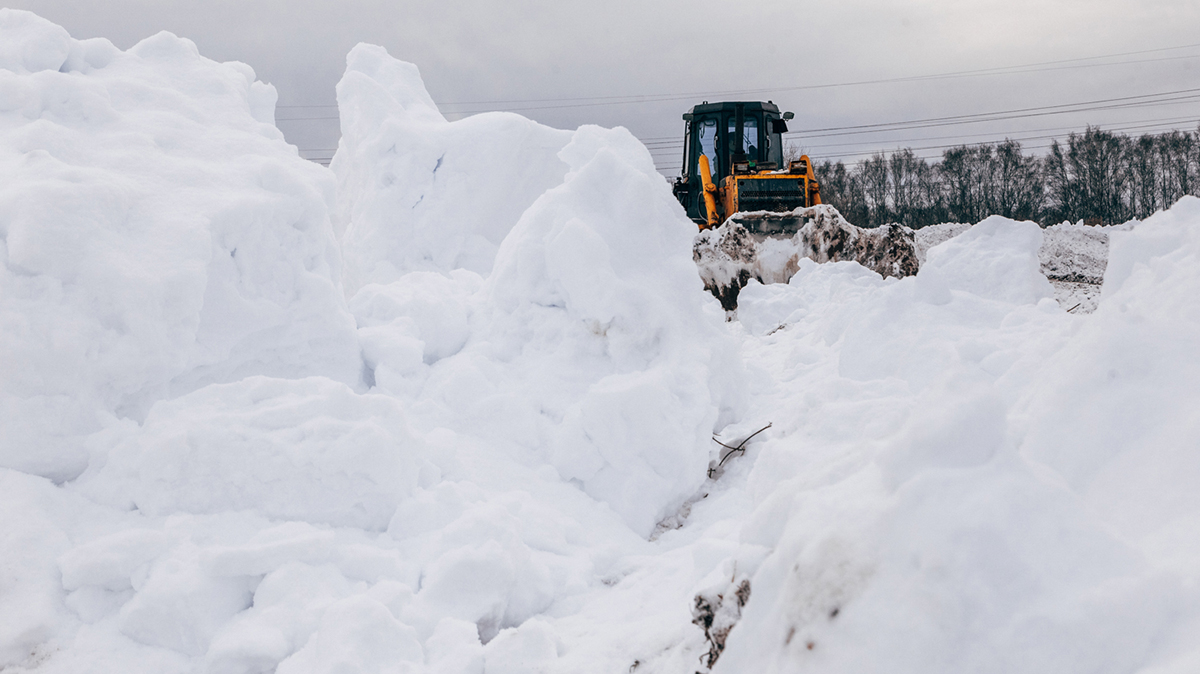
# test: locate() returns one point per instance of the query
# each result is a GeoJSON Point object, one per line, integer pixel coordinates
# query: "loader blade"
{"type": "Point", "coordinates": [768, 247]}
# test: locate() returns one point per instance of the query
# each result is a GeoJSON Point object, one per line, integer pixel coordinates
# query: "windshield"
{"type": "Point", "coordinates": [749, 143]}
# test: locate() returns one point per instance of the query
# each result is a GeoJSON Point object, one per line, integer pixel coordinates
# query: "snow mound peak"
{"type": "Point", "coordinates": [156, 236]}
{"type": "Point", "coordinates": [418, 193]}
{"type": "Point", "coordinates": [996, 259]}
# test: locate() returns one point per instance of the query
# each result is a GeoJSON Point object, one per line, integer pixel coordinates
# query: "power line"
{"type": "Point", "coordinates": [992, 142]}
{"type": "Point", "coordinates": [658, 98]}
{"type": "Point", "coordinates": [1163, 126]}
{"type": "Point", "coordinates": [843, 84]}
{"type": "Point", "coordinates": [586, 101]}
{"type": "Point", "coordinates": [988, 116]}
{"type": "Point", "coordinates": [1139, 100]}
{"type": "Point", "coordinates": [1138, 124]}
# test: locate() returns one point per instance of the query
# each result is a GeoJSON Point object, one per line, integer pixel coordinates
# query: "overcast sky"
{"type": "Point", "coordinates": [642, 63]}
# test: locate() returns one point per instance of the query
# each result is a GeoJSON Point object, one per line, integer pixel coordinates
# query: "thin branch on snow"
{"type": "Point", "coordinates": [741, 447]}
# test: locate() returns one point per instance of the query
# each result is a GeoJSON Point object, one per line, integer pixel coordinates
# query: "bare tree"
{"type": "Point", "coordinates": [874, 176]}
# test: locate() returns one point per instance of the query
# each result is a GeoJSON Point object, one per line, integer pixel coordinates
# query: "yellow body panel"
{"type": "Point", "coordinates": [727, 193]}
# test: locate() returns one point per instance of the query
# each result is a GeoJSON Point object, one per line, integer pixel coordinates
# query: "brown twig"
{"type": "Point", "coordinates": [1074, 307]}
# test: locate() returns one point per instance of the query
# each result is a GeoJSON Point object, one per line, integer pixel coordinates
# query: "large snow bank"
{"type": "Point", "coordinates": [525, 432]}
{"type": "Point", "coordinates": [979, 481]}
{"type": "Point", "coordinates": [157, 234]}
{"type": "Point", "coordinates": [1127, 423]}
{"type": "Point", "coordinates": [590, 345]}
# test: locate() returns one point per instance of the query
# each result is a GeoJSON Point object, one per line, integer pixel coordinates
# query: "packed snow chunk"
{"type": "Point", "coordinates": [418, 193]}
{"type": "Point", "coordinates": [111, 562]}
{"type": "Point", "coordinates": [996, 259]}
{"type": "Point", "coordinates": [32, 614]}
{"type": "Point", "coordinates": [414, 321]}
{"type": "Point", "coordinates": [357, 634]}
{"type": "Point", "coordinates": [156, 235]}
{"type": "Point", "coordinates": [763, 309]}
{"type": "Point", "coordinates": [522, 564]}
{"type": "Point", "coordinates": [180, 605]}
{"type": "Point", "coordinates": [532, 647]}
{"type": "Point", "coordinates": [30, 44]}
{"type": "Point", "coordinates": [308, 449]}
{"type": "Point", "coordinates": [1116, 413]}
{"type": "Point", "coordinates": [288, 607]}
{"type": "Point", "coordinates": [600, 324]}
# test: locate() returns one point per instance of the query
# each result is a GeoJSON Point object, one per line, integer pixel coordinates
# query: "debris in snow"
{"type": "Point", "coordinates": [716, 611]}
{"type": "Point", "coordinates": [729, 256]}
{"type": "Point", "coordinates": [714, 469]}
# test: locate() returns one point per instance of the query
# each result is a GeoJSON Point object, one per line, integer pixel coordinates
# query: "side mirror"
{"type": "Point", "coordinates": [789, 115]}
{"type": "Point", "coordinates": [687, 116]}
{"type": "Point", "coordinates": [778, 126]}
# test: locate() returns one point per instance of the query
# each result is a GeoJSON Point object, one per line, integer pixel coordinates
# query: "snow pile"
{"type": "Point", "coordinates": [1125, 436]}
{"type": "Point", "coordinates": [1073, 257]}
{"type": "Point", "coordinates": [996, 259]}
{"type": "Point", "coordinates": [957, 475]}
{"type": "Point", "coordinates": [979, 482]}
{"type": "Point", "coordinates": [1074, 253]}
{"type": "Point", "coordinates": [525, 432]}
{"type": "Point", "coordinates": [601, 323]}
{"type": "Point", "coordinates": [418, 193]}
{"type": "Point", "coordinates": [588, 345]}
{"type": "Point", "coordinates": [156, 234]}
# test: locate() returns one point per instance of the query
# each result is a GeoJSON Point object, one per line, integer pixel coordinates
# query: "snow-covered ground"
{"type": "Point", "coordinates": [450, 407]}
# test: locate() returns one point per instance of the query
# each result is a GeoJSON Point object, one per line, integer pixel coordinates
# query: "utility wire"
{"type": "Point", "coordinates": [1022, 113]}
{"type": "Point", "coordinates": [1138, 124]}
{"type": "Point", "coordinates": [986, 116]}
{"type": "Point", "coordinates": [977, 71]}
{"type": "Point", "coordinates": [1163, 125]}
{"type": "Point", "coordinates": [654, 98]}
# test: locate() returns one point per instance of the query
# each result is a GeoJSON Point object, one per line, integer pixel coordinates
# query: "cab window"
{"type": "Point", "coordinates": [749, 139]}
{"type": "Point", "coordinates": [707, 133]}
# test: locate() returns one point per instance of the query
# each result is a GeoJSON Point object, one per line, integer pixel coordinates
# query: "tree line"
{"type": "Point", "coordinates": [1096, 176]}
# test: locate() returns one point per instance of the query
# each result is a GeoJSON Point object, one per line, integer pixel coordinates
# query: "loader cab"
{"type": "Point", "coordinates": [736, 137]}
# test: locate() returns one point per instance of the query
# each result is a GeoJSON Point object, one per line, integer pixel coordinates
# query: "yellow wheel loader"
{"type": "Point", "coordinates": [733, 163]}
{"type": "Point", "coordinates": [758, 217]}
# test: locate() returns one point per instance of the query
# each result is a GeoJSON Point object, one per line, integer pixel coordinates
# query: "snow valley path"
{"type": "Point", "coordinates": [411, 414]}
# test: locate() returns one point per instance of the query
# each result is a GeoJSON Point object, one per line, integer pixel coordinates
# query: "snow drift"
{"type": "Point", "coordinates": [493, 456]}
{"type": "Point", "coordinates": [588, 345]}
{"type": "Point", "coordinates": [157, 235]}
